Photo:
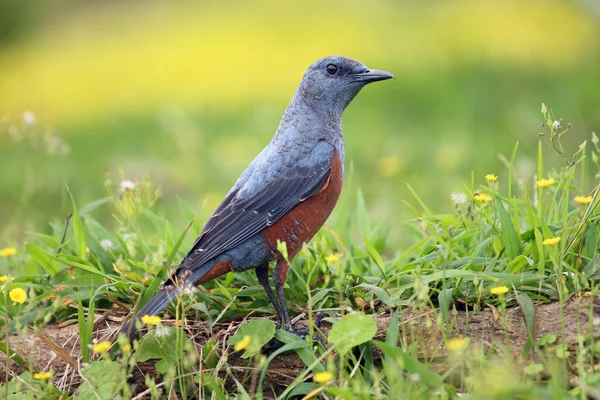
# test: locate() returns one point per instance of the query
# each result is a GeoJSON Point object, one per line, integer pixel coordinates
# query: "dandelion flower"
{"type": "Point", "coordinates": [499, 290]}
{"type": "Point", "coordinates": [127, 186]}
{"type": "Point", "coordinates": [8, 251]}
{"type": "Point", "coordinates": [322, 377]}
{"type": "Point", "coordinates": [458, 198]}
{"type": "Point", "coordinates": [457, 344]}
{"type": "Point", "coordinates": [242, 344]}
{"type": "Point", "coordinates": [482, 197]}
{"type": "Point", "coordinates": [18, 295]}
{"type": "Point", "coordinates": [3, 279]}
{"type": "Point", "coordinates": [333, 257]}
{"type": "Point", "coordinates": [101, 347]}
{"type": "Point", "coordinates": [106, 244]}
{"type": "Point", "coordinates": [583, 199]}
{"type": "Point", "coordinates": [42, 376]}
{"type": "Point", "coordinates": [151, 319]}
{"type": "Point", "coordinates": [491, 178]}
{"type": "Point", "coordinates": [545, 182]}
{"type": "Point", "coordinates": [551, 241]}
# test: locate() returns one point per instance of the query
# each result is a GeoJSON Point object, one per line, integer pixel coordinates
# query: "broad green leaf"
{"type": "Point", "coordinates": [160, 347]}
{"type": "Point", "coordinates": [533, 369]}
{"type": "Point", "coordinates": [104, 379]}
{"type": "Point", "coordinates": [260, 331]}
{"type": "Point", "coordinates": [352, 330]}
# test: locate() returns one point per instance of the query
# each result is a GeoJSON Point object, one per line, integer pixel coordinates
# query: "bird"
{"type": "Point", "coordinates": [285, 195]}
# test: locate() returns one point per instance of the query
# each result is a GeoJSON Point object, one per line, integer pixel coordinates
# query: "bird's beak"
{"type": "Point", "coordinates": [372, 75]}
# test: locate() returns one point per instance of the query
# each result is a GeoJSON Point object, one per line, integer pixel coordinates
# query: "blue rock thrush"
{"type": "Point", "coordinates": [286, 193]}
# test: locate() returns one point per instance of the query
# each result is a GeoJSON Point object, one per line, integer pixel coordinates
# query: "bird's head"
{"type": "Point", "coordinates": [335, 81]}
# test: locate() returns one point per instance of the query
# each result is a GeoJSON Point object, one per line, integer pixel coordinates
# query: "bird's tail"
{"type": "Point", "coordinates": [158, 303]}
{"type": "Point", "coordinates": [162, 299]}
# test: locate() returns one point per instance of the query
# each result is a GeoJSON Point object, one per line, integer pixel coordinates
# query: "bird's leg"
{"type": "Point", "coordinates": [262, 273]}
{"type": "Point", "coordinates": [280, 273]}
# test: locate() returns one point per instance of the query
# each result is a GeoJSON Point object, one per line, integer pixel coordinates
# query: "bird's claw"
{"type": "Point", "coordinates": [275, 344]}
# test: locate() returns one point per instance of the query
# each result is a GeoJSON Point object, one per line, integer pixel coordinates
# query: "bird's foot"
{"type": "Point", "coordinates": [275, 344]}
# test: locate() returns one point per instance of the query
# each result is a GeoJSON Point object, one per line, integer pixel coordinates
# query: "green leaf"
{"type": "Point", "coordinates": [533, 369]}
{"type": "Point", "coordinates": [591, 241]}
{"type": "Point", "coordinates": [528, 311]}
{"type": "Point", "coordinates": [78, 231]}
{"type": "Point", "coordinates": [352, 330]}
{"type": "Point", "coordinates": [509, 234]}
{"type": "Point", "coordinates": [104, 379]}
{"type": "Point", "coordinates": [548, 338]}
{"type": "Point", "coordinates": [42, 258]}
{"type": "Point", "coordinates": [304, 351]}
{"type": "Point", "coordinates": [283, 349]}
{"type": "Point", "coordinates": [260, 332]}
{"type": "Point", "coordinates": [444, 300]}
{"type": "Point", "coordinates": [410, 364]}
{"type": "Point", "coordinates": [376, 257]}
{"type": "Point", "coordinates": [13, 355]}
{"type": "Point", "coordinates": [163, 348]}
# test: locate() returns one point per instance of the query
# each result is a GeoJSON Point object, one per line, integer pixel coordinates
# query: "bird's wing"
{"type": "Point", "coordinates": [271, 191]}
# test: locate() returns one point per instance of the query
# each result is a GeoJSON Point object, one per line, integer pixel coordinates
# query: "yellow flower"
{"type": "Point", "coordinates": [583, 199]}
{"type": "Point", "coordinates": [242, 344]}
{"type": "Point", "coordinates": [101, 347]}
{"type": "Point", "coordinates": [333, 258]}
{"type": "Point", "coordinates": [18, 295]}
{"type": "Point", "coordinates": [151, 319]}
{"type": "Point", "coordinates": [457, 344]}
{"type": "Point", "coordinates": [482, 197]}
{"type": "Point", "coordinates": [551, 241]}
{"type": "Point", "coordinates": [8, 251]}
{"type": "Point", "coordinates": [42, 376]}
{"type": "Point", "coordinates": [322, 377]}
{"type": "Point", "coordinates": [3, 279]}
{"type": "Point", "coordinates": [491, 178]}
{"type": "Point", "coordinates": [499, 290]}
{"type": "Point", "coordinates": [126, 348]}
{"type": "Point", "coordinates": [545, 182]}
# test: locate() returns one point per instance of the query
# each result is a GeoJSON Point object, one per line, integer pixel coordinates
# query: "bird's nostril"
{"type": "Point", "coordinates": [366, 71]}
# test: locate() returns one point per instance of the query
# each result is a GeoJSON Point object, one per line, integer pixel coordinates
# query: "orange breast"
{"type": "Point", "coordinates": [300, 224]}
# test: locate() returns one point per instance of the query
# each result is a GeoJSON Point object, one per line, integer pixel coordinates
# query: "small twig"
{"type": "Point", "coordinates": [64, 236]}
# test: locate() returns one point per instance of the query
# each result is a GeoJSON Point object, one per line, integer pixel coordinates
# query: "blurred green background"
{"type": "Point", "coordinates": [188, 92]}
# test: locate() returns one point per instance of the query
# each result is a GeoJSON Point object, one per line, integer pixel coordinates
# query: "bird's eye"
{"type": "Point", "coordinates": [331, 69]}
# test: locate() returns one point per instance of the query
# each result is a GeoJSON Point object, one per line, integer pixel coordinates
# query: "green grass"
{"type": "Point", "coordinates": [497, 235]}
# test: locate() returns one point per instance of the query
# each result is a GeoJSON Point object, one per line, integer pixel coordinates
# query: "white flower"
{"type": "Point", "coordinates": [29, 118]}
{"type": "Point", "coordinates": [459, 198]}
{"type": "Point", "coordinates": [127, 185]}
{"type": "Point", "coordinates": [556, 125]}
{"type": "Point", "coordinates": [106, 244]}
{"type": "Point", "coordinates": [161, 331]}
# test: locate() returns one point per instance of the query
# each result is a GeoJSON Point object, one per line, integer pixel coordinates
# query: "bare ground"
{"type": "Point", "coordinates": [57, 347]}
